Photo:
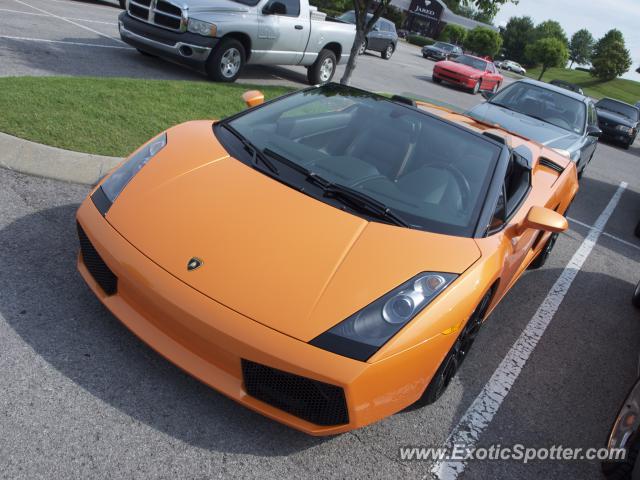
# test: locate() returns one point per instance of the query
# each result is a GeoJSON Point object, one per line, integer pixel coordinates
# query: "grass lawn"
{"type": "Point", "coordinates": [110, 116]}
{"type": "Point", "coordinates": [620, 89]}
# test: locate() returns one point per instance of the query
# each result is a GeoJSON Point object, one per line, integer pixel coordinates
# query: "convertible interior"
{"type": "Point", "coordinates": [410, 161]}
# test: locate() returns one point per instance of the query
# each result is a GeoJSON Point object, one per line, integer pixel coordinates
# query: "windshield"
{"type": "Point", "coordinates": [543, 104]}
{"type": "Point", "coordinates": [619, 107]}
{"type": "Point", "coordinates": [443, 46]}
{"type": "Point", "coordinates": [471, 62]}
{"type": "Point", "coordinates": [432, 174]}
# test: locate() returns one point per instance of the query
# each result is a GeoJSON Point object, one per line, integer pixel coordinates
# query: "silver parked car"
{"type": "Point", "coordinates": [220, 36]}
{"type": "Point", "coordinates": [553, 116]}
{"type": "Point", "coordinates": [382, 38]}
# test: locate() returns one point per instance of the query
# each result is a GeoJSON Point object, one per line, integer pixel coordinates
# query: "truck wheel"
{"type": "Point", "coordinates": [226, 61]}
{"type": "Point", "coordinates": [388, 51]}
{"type": "Point", "coordinates": [323, 68]}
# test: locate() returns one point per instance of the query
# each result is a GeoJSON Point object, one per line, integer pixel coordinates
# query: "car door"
{"type": "Point", "coordinates": [490, 77]}
{"type": "Point", "coordinates": [375, 39]}
{"type": "Point", "coordinates": [511, 210]}
{"type": "Point", "coordinates": [591, 142]}
{"type": "Point", "coordinates": [283, 31]}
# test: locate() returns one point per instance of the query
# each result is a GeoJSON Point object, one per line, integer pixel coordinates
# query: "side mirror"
{"type": "Point", "coordinates": [545, 219]}
{"type": "Point", "coordinates": [253, 98]}
{"type": "Point", "coordinates": [487, 95]}
{"type": "Point", "coordinates": [274, 8]}
{"type": "Point", "coordinates": [594, 131]}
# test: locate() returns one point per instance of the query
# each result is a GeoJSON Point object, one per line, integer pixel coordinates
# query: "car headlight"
{"type": "Point", "coordinates": [113, 186]}
{"type": "Point", "coordinates": [627, 421]}
{"type": "Point", "coordinates": [364, 332]}
{"type": "Point", "coordinates": [624, 129]}
{"type": "Point", "coordinates": [202, 28]}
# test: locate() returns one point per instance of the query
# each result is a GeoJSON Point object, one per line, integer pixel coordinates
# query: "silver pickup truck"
{"type": "Point", "coordinates": [220, 36]}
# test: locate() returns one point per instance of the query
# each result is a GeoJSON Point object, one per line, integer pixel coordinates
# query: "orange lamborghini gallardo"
{"type": "Point", "coordinates": [327, 258]}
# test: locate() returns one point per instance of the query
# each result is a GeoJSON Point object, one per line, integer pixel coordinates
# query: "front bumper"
{"type": "Point", "coordinates": [433, 54]}
{"type": "Point", "coordinates": [613, 134]}
{"type": "Point", "coordinates": [457, 79]}
{"type": "Point", "coordinates": [189, 49]}
{"type": "Point", "coordinates": [213, 342]}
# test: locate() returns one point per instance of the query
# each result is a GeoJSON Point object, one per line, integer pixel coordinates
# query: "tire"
{"type": "Point", "coordinates": [455, 356]}
{"type": "Point", "coordinates": [436, 79]}
{"type": "Point", "coordinates": [225, 63]}
{"type": "Point", "coordinates": [318, 73]}
{"type": "Point", "coordinates": [363, 48]}
{"type": "Point", "coordinates": [636, 296]}
{"type": "Point", "coordinates": [476, 88]}
{"type": "Point", "coordinates": [388, 52]}
{"type": "Point", "coordinates": [637, 230]}
{"type": "Point", "coordinates": [623, 469]}
{"type": "Point", "coordinates": [541, 259]}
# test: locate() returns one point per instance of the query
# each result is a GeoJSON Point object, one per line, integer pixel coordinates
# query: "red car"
{"type": "Point", "coordinates": [469, 72]}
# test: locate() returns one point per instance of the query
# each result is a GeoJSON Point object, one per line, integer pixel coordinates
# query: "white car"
{"type": "Point", "coordinates": [513, 67]}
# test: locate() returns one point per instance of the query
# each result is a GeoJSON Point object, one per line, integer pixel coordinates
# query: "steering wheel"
{"type": "Point", "coordinates": [461, 180]}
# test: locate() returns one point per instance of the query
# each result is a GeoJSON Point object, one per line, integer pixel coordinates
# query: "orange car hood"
{"type": "Point", "coordinates": [269, 252]}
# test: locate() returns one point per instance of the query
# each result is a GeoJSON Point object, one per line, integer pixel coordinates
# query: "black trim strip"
{"type": "Point", "coordinates": [101, 201]}
{"type": "Point", "coordinates": [545, 162]}
{"type": "Point", "coordinates": [344, 346]}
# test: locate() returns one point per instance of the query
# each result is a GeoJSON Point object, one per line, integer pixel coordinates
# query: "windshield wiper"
{"type": "Point", "coordinates": [353, 198]}
{"type": "Point", "coordinates": [363, 202]}
{"type": "Point", "coordinates": [256, 153]}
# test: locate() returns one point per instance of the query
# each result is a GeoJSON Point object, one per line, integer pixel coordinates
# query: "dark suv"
{"type": "Point", "coordinates": [382, 38]}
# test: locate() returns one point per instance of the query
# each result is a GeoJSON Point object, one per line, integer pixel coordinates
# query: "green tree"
{"type": "Point", "coordinates": [518, 33]}
{"type": "Point", "coordinates": [550, 29]}
{"type": "Point", "coordinates": [483, 41]}
{"type": "Point", "coordinates": [610, 57]}
{"type": "Point", "coordinates": [548, 52]}
{"type": "Point", "coordinates": [581, 47]}
{"type": "Point", "coordinates": [453, 34]}
{"type": "Point", "coordinates": [480, 10]}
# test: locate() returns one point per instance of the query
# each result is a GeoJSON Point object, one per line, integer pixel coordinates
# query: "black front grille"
{"type": "Point", "coordinates": [168, 8]}
{"type": "Point", "coordinates": [166, 21]}
{"type": "Point", "coordinates": [313, 401]}
{"type": "Point", "coordinates": [96, 266]}
{"type": "Point", "coordinates": [138, 12]}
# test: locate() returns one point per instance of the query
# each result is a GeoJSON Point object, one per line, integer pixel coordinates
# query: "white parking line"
{"type": "Point", "coordinates": [71, 22]}
{"type": "Point", "coordinates": [618, 239]}
{"type": "Point", "coordinates": [28, 39]}
{"type": "Point", "coordinates": [46, 15]}
{"type": "Point", "coordinates": [481, 412]}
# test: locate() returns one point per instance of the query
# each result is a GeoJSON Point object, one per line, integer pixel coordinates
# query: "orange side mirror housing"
{"type": "Point", "coordinates": [253, 98]}
{"type": "Point", "coordinates": [545, 219]}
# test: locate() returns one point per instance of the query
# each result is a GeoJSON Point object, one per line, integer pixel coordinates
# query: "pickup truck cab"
{"type": "Point", "coordinates": [219, 37]}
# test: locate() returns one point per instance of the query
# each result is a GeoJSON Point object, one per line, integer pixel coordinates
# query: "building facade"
{"type": "Point", "coordinates": [429, 17]}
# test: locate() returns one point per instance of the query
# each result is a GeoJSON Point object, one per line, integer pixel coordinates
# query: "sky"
{"type": "Point", "coordinates": [597, 17]}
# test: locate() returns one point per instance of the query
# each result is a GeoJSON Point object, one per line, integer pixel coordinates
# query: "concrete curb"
{"type": "Point", "coordinates": [43, 161]}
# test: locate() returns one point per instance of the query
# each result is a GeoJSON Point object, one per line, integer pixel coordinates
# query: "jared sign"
{"type": "Point", "coordinates": [426, 8]}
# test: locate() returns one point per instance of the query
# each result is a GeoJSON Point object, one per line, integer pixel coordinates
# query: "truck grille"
{"type": "Point", "coordinates": [314, 401]}
{"type": "Point", "coordinates": [158, 12]}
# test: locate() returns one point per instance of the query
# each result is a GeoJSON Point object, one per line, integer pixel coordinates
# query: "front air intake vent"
{"type": "Point", "coordinates": [99, 270]}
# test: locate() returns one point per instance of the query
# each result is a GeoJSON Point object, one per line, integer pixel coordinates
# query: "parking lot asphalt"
{"type": "Point", "coordinates": [66, 37]}
{"type": "Point", "coordinates": [81, 397]}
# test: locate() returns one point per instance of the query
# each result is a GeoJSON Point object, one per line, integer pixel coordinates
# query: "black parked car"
{"type": "Point", "coordinates": [441, 51]}
{"type": "Point", "coordinates": [618, 121]}
{"type": "Point", "coordinates": [382, 38]}
{"type": "Point", "coordinates": [567, 85]}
